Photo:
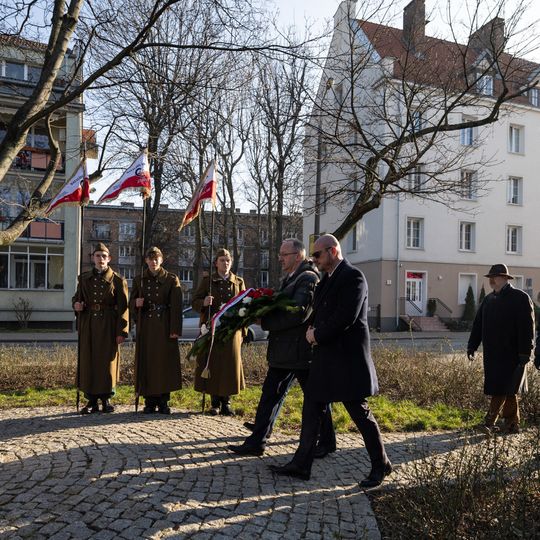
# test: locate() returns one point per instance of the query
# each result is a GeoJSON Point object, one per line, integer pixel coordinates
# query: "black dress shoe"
{"type": "Point", "coordinates": [376, 476]}
{"type": "Point", "coordinates": [106, 406]}
{"type": "Point", "coordinates": [246, 450]}
{"type": "Point", "coordinates": [322, 451]}
{"type": "Point", "coordinates": [90, 408]}
{"type": "Point", "coordinates": [149, 409]}
{"type": "Point", "coordinates": [249, 426]}
{"type": "Point", "coordinates": [290, 469]}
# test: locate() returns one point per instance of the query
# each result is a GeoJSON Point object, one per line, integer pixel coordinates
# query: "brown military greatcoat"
{"type": "Point", "coordinates": [105, 316]}
{"type": "Point", "coordinates": [158, 355]}
{"type": "Point", "coordinates": [226, 372]}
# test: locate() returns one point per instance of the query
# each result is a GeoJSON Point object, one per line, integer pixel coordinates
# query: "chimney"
{"type": "Point", "coordinates": [414, 23]}
{"type": "Point", "coordinates": [489, 37]}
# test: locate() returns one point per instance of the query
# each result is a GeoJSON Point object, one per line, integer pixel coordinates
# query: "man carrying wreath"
{"type": "Point", "coordinates": [288, 354]}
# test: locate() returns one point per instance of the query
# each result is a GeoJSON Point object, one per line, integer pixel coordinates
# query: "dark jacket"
{"type": "Point", "coordinates": [342, 368]}
{"type": "Point", "coordinates": [105, 317]}
{"type": "Point", "coordinates": [226, 370]}
{"type": "Point", "coordinates": [504, 324]}
{"type": "Point", "coordinates": [160, 317]}
{"type": "Point", "coordinates": [287, 345]}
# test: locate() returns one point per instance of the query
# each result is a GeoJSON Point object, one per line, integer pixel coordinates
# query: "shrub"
{"type": "Point", "coordinates": [470, 306]}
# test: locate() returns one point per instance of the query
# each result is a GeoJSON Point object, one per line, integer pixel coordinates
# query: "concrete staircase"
{"type": "Point", "coordinates": [425, 324]}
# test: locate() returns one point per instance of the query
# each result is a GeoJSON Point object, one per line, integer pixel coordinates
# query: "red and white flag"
{"type": "Point", "coordinates": [206, 190]}
{"type": "Point", "coordinates": [137, 177]}
{"type": "Point", "coordinates": [76, 191]}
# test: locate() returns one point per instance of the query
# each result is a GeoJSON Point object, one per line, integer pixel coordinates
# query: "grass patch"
{"type": "Point", "coordinates": [391, 415]}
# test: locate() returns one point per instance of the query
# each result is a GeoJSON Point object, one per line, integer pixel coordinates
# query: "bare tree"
{"type": "Point", "coordinates": [391, 105]}
{"type": "Point", "coordinates": [98, 45]}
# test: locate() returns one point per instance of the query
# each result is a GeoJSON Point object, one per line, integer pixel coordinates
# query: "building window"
{"type": "Point", "coordinates": [517, 282]}
{"type": "Point", "coordinates": [14, 70]}
{"type": "Point", "coordinates": [415, 233]}
{"type": "Point", "coordinates": [188, 231]}
{"type": "Point", "coordinates": [240, 234]}
{"type": "Point", "coordinates": [353, 240]}
{"type": "Point", "coordinates": [101, 231]}
{"type": "Point", "coordinates": [126, 250]}
{"type": "Point", "coordinates": [516, 139]}
{"type": "Point", "coordinates": [417, 121]}
{"type": "Point", "coordinates": [32, 267]}
{"type": "Point", "coordinates": [264, 259]}
{"type": "Point", "coordinates": [264, 278]}
{"type": "Point", "coordinates": [264, 235]}
{"type": "Point", "coordinates": [466, 236]}
{"type": "Point", "coordinates": [186, 275]}
{"type": "Point", "coordinates": [127, 230]}
{"type": "Point", "coordinates": [415, 179]}
{"type": "Point", "coordinates": [485, 85]}
{"type": "Point", "coordinates": [127, 271]}
{"type": "Point", "coordinates": [534, 97]}
{"type": "Point", "coordinates": [467, 134]}
{"type": "Point", "coordinates": [468, 185]}
{"type": "Point", "coordinates": [513, 239]}
{"type": "Point", "coordinates": [515, 190]}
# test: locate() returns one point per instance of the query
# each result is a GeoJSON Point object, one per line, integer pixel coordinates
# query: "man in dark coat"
{"type": "Point", "coordinates": [504, 324]}
{"type": "Point", "coordinates": [156, 305]}
{"type": "Point", "coordinates": [101, 305]}
{"type": "Point", "coordinates": [288, 354]}
{"type": "Point", "coordinates": [342, 368]}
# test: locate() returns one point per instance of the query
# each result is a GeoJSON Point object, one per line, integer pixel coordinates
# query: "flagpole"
{"type": "Point", "coordinates": [139, 313]}
{"type": "Point", "coordinates": [210, 288]}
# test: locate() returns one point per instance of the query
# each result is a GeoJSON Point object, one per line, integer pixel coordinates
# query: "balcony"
{"type": "Point", "coordinates": [33, 160]}
{"type": "Point", "coordinates": [97, 234]}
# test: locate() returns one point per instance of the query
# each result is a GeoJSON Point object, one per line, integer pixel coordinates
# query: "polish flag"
{"type": "Point", "coordinates": [137, 177]}
{"type": "Point", "coordinates": [206, 190]}
{"type": "Point", "coordinates": [76, 191]}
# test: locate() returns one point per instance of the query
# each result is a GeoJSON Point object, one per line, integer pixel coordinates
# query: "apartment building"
{"type": "Point", "coordinates": [120, 227]}
{"type": "Point", "coordinates": [41, 266]}
{"type": "Point", "coordinates": [411, 248]}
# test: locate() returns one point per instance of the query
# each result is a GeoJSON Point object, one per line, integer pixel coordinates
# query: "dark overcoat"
{"type": "Point", "coordinates": [504, 324]}
{"type": "Point", "coordinates": [287, 344]}
{"type": "Point", "coordinates": [342, 368]}
{"type": "Point", "coordinates": [158, 354]}
{"type": "Point", "coordinates": [105, 317]}
{"type": "Point", "coordinates": [226, 371]}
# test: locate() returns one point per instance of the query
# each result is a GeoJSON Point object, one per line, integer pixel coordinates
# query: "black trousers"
{"type": "Point", "coordinates": [95, 397]}
{"type": "Point", "coordinates": [274, 391]}
{"type": "Point", "coordinates": [312, 414]}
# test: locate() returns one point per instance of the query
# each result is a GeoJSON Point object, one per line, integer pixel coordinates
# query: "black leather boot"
{"type": "Point", "coordinates": [163, 406]}
{"type": "Point", "coordinates": [149, 405]}
{"type": "Point", "coordinates": [214, 410]}
{"type": "Point", "coordinates": [106, 406]}
{"type": "Point", "coordinates": [226, 409]}
{"type": "Point", "coordinates": [91, 407]}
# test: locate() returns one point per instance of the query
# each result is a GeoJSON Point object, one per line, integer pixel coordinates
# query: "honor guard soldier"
{"type": "Point", "coordinates": [156, 304]}
{"type": "Point", "coordinates": [101, 305]}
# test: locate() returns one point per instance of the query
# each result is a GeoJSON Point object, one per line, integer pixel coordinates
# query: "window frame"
{"type": "Point", "coordinates": [463, 237]}
{"type": "Point", "coordinates": [409, 238]}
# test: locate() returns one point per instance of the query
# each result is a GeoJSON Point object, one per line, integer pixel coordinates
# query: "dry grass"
{"type": "Point", "coordinates": [484, 490]}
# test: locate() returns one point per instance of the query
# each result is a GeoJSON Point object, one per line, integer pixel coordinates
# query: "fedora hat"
{"type": "Point", "coordinates": [499, 270]}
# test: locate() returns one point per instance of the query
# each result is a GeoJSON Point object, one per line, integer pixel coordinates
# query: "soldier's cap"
{"type": "Point", "coordinates": [153, 252]}
{"type": "Point", "coordinates": [499, 270]}
{"type": "Point", "coordinates": [101, 247]}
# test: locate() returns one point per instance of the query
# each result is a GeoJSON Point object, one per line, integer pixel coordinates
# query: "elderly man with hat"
{"type": "Point", "coordinates": [504, 324]}
{"type": "Point", "coordinates": [158, 296]}
{"type": "Point", "coordinates": [101, 305]}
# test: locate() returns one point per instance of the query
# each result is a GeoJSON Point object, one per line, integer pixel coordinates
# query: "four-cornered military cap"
{"type": "Point", "coordinates": [101, 247]}
{"type": "Point", "coordinates": [153, 252]}
{"type": "Point", "coordinates": [499, 270]}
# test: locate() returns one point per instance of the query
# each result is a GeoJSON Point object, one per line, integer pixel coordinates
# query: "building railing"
{"type": "Point", "coordinates": [100, 235]}
{"type": "Point", "coordinates": [404, 303]}
{"type": "Point", "coordinates": [35, 160]}
{"type": "Point", "coordinates": [441, 309]}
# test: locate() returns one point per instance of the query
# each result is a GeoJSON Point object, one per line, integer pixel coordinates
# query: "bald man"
{"type": "Point", "coordinates": [342, 368]}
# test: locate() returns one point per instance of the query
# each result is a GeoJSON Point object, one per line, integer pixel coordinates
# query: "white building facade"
{"type": "Point", "coordinates": [411, 248]}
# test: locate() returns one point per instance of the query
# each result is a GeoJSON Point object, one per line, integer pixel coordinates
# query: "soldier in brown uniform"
{"type": "Point", "coordinates": [158, 355]}
{"type": "Point", "coordinates": [226, 372]}
{"type": "Point", "coordinates": [100, 303]}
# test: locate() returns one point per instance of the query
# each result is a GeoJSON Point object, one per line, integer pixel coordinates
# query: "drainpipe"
{"type": "Point", "coordinates": [397, 263]}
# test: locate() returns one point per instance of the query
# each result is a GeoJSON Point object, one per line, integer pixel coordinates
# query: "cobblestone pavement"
{"type": "Point", "coordinates": [123, 475]}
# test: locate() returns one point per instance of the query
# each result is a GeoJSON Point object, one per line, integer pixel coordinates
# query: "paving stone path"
{"type": "Point", "coordinates": [123, 475]}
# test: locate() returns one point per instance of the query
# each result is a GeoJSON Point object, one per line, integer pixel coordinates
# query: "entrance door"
{"type": "Point", "coordinates": [414, 294]}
